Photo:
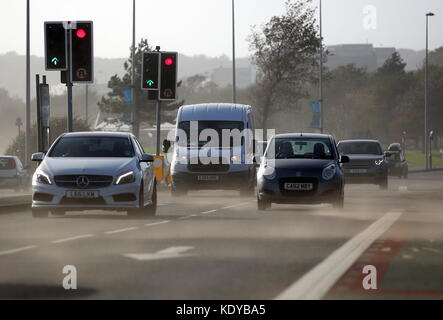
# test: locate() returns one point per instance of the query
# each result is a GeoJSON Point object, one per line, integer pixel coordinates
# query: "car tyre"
{"type": "Point", "coordinates": [58, 213]}
{"type": "Point", "coordinates": [151, 209]}
{"type": "Point", "coordinates": [384, 184]}
{"type": "Point", "coordinates": [145, 211]}
{"type": "Point", "coordinates": [39, 213]}
{"type": "Point", "coordinates": [178, 192]}
{"type": "Point", "coordinates": [263, 205]}
{"type": "Point", "coordinates": [339, 203]}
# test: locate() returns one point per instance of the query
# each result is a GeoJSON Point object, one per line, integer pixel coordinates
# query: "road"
{"type": "Point", "coordinates": [216, 245]}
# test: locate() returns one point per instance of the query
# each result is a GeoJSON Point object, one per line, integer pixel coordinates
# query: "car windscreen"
{"type": "Point", "coordinates": [222, 128]}
{"type": "Point", "coordinates": [112, 147]}
{"type": "Point", "coordinates": [303, 148]}
{"type": "Point", "coordinates": [362, 147]}
{"type": "Point", "coordinates": [7, 163]}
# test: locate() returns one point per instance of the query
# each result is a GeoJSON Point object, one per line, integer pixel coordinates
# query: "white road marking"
{"type": "Point", "coordinates": [319, 280]}
{"type": "Point", "coordinates": [157, 223]}
{"type": "Point", "coordinates": [121, 230]}
{"type": "Point", "coordinates": [11, 251]}
{"type": "Point", "coordinates": [169, 253]}
{"type": "Point", "coordinates": [208, 212]}
{"type": "Point", "coordinates": [187, 217]}
{"type": "Point", "coordinates": [236, 205]}
{"type": "Point", "coordinates": [403, 188]}
{"type": "Point", "coordinates": [83, 236]}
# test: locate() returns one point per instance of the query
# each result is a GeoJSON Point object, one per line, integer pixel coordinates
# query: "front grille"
{"type": "Point", "coordinates": [359, 164]}
{"type": "Point", "coordinates": [95, 181]}
{"type": "Point", "coordinates": [298, 180]}
{"type": "Point", "coordinates": [86, 202]}
{"type": "Point", "coordinates": [196, 166]}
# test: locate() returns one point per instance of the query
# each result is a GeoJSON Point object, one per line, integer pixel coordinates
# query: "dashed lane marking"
{"type": "Point", "coordinates": [83, 236]}
{"type": "Point", "coordinates": [11, 251]}
{"type": "Point", "coordinates": [121, 230]}
{"type": "Point", "coordinates": [157, 223]}
{"type": "Point", "coordinates": [208, 212]}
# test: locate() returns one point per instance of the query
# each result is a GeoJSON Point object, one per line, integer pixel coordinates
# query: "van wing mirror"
{"type": "Point", "coordinates": [39, 156]}
{"type": "Point", "coordinates": [344, 159]}
{"type": "Point", "coordinates": [166, 146]}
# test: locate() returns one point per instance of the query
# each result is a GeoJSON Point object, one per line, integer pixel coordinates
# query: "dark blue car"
{"type": "Point", "coordinates": [301, 168]}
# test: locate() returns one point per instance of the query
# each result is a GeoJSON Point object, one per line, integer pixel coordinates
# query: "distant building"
{"type": "Point", "coordinates": [362, 55]}
{"type": "Point", "coordinates": [223, 77]}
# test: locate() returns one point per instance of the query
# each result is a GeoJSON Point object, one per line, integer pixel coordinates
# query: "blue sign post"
{"type": "Point", "coordinates": [315, 123]}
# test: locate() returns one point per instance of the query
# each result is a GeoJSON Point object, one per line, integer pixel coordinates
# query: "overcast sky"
{"type": "Point", "coordinates": [204, 26]}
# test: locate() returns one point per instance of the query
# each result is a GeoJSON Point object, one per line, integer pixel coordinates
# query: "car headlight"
{"type": "Point", "coordinates": [379, 162]}
{"type": "Point", "coordinates": [269, 173]}
{"type": "Point", "coordinates": [125, 178]}
{"type": "Point", "coordinates": [42, 177]}
{"type": "Point", "coordinates": [329, 172]}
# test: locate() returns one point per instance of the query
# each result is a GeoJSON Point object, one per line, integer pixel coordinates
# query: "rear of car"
{"type": "Point", "coordinates": [367, 163]}
{"type": "Point", "coordinates": [203, 159]}
{"type": "Point", "coordinates": [12, 174]}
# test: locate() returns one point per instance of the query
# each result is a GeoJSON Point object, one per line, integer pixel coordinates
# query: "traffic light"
{"type": "Point", "coordinates": [55, 46]}
{"type": "Point", "coordinates": [168, 76]}
{"type": "Point", "coordinates": [82, 57]}
{"type": "Point", "coordinates": [150, 70]}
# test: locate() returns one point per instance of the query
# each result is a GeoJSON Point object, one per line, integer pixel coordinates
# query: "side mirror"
{"type": "Point", "coordinates": [344, 159]}
{"type": "Point", "coordinates": [387, 154]}
{"type": "Point", "coordinates": [39, 156]}
{"type": "Point", "coordinates": [166, 145]}
{"type": "Point", "coordinates": [146, 157]}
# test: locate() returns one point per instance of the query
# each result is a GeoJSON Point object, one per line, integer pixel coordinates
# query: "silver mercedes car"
{"type": "Point", "coordinates": [94, 171]}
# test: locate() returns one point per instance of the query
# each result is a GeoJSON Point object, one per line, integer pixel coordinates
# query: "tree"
{"type": "Point", "coordinates": [58, 126]}
{"type": "Point", "coordinates": [114, 101]}
{"type": "Point", "coordinates": [285, 51]}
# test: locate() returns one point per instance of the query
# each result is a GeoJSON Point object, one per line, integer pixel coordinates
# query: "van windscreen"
{"type": "Point", "coordinates": [228, 133]}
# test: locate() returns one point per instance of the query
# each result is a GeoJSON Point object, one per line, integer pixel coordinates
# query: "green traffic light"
{"type": "Point", "coordinates": [54, 61]}
{"type": "Point", "coordinates": [150, 83]}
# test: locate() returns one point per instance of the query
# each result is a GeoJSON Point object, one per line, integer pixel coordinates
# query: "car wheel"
{"type": "Point", "coordinates": [405, 174]}
{"type": "Point", "coordinates": [178, 192]}
{"type": "Point", "coordinates": [58, 213]}
{"type": "Point", "coordinates": [263, 205]}
{"type": "Point", "coordinates": [152, 208]}
{"type": "Point", "coordinates": [339, 203]}
{"type": "Point", "coordinates": [39, 213]}
{"type": "Point", "coordinates": [384, 184]}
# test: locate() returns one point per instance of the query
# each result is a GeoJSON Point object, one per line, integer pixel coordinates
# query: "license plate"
{"type": "Point", "coordinates": [207, 178]}
{"type": "Point", "coordinates": [358, 170]}
{"type": "Point", "coordinates": [299, 186]}
{"type": "Point", "coordinates": [82, 194]}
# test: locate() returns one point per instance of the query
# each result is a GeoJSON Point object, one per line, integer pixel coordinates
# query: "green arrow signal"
{"type": "Point", "coordinates": [150, 83]}
{"type": "Point", "coordinates": [54, 61]}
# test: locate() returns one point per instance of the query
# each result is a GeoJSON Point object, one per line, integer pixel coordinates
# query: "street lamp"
{"type": "Point", "coordinates": [429, 14]}
{"type": "Point", "coordinates": [321, 72]}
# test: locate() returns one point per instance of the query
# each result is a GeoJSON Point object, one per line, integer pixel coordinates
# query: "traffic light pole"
{"type": "Point", "coordinates": [158, 122]}
{"type": "Point", "coordinates": [69, 83]}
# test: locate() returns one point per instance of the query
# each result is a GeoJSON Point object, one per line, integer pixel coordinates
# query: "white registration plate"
{"type": "Point", "coordinates": [299, 186]}
{"type": "Point", "coordinates": [82, 194]}
{"type": "Point", "coordinates": [207, 178]}
{"type": "Point", "coordinates": [358, 171]}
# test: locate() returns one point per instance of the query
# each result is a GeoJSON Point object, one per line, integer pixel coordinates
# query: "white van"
{"type": "Point", "coordinates": [214, 149]}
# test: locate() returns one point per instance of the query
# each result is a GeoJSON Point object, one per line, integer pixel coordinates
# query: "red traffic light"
{"type": "Point", "coordinates": [80, 33]}
{"type": "Point", "coordinates": [169, 62]}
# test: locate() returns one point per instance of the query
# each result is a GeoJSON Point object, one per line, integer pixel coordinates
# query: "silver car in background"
{"type": "Point", "coordinates": [94, 171]}
{"type": "Point", "coordinates": [12, 173]}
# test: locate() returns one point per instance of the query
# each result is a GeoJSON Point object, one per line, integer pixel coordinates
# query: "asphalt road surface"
{"type": "Point", "coordinates": [216, 245]}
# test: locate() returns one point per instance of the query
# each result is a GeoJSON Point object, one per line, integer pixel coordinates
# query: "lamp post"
{"type": "Point", "coordinates": [234, 80]}
{"type": "Point", "coordinates": [28, 89]}
{"type": "Point", "coordinates": [429, 14]}
{"type": "Point", "coordinates": [135, 124]}
{"type": "Point", "coordinates": [320, 102]}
